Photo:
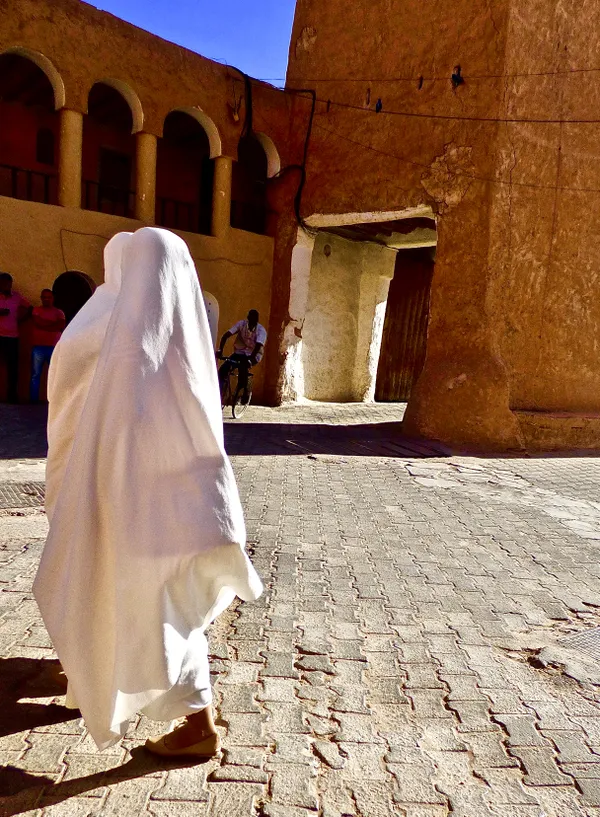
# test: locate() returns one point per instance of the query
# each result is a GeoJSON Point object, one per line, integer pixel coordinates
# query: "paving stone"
{"type": "Point", "coordinates": [329, 753]}
{"type": "Point", "coordinates": [276, 810]}
{"type": "Point", "coordinates": [245, 730]}
{"type": "Point", "coordinates": [283, 718]}
{"type": "Point", "coordinates": [506, 787]}
{"type": "Point", "coordinates": [45, 752]}
{"type": "Point", "coordinates": [241, 673]}
{"type": "Point", "coordinates": [233, 799]}
{"type": "Point", "coordinates": [238, 774]}
{"type": "Point", "coordinates": [551, 715]}
{"type": "Point", "coordinates": [187, 783]}
{"type": "Point", "coordinates": [243, 757]}
{"type": "Point", "coordinates": [415, 784]}
{"type": "Point", "coordinates": [355, 728]}
{"type": "Point", "coordinates": [295, 787]}
{"type": "Point", "coordinates": [239, 698]}
{"type": "Point", "coordinates": [540, 766]}
{"type": "Point", "coordinates": [282, 690]}
{"type": "Point", "coordinates": [571, 747]}
{"type": "Point", "coordinates": [428, 703]}
{"type": "Point", "coordinates": [170, 808]}
{"type": "Point", "coordinates": [315, 663]}
{"type": "Point", "coordinates": [489, 750]}
{"type": "Point", "coordinates": [248, 651]}
{"type": "Point", "coordinates": [322, 726]}
{"type": "Point", "coordinates": [349, 650]}
{"type": "Point", "coordinates": [278, 665]}
{"type": "Point", "coordinates": [440, 734]}
{"type": "Point", "coordinates": [364, 761]}
{"type": "Point", "coordinates": [291, 748]}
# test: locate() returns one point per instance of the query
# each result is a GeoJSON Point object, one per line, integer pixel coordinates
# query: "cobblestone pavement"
{"type": "Point", "coordinates": [407, 657]}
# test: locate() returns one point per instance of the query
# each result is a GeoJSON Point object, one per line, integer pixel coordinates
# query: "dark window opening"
{"type": "Point", "coordinates": [28, 123]}
{"type": "Point", "coordinates": [108, 153]}
{"type": "Point", "coordinates": [44, 147]}
{"type": "Point", "coordinates": [184, 176]}
{"type": "Point", "coordinates": [249, 187]}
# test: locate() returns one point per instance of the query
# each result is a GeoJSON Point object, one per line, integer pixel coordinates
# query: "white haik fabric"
{"type": "Point", "coordinates": [146, 543]}
{"type": "Point", "coordinates": [73, 365]}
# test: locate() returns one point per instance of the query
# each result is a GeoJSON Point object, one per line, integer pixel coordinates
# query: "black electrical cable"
{"type": "Point", "coordinates": [470, 176]}
{"type": "Point", "coordinates": [446, 78]}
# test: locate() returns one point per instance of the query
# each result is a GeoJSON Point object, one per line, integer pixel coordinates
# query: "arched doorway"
{"type": "Point", "coordinates": [184, 175]}
{"type": "Point", "coordinates": [29, 130]}
{"type": "Point", "coordinates": [249, 187]}
{"type": "Point", "coordinates": [71, 290]}
{"type": "Point", "coordinates": [108, 153]}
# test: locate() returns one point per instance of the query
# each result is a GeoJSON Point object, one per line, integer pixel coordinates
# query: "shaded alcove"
{"type": "Point", "coordinates": [29, 131]}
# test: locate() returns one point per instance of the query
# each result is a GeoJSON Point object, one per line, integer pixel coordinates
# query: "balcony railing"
{"type": "Point", "coordinates": [28, 185]}
{"type": "Point", "coordinates": [103, 198]}
{"type": "Point", "coordinates": [183, 215]}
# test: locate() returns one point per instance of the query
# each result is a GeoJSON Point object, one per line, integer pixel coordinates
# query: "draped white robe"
{"type": "Point", "coordinates": [146, 541]}
{"type": "Point", "coordinates": [73, 365]}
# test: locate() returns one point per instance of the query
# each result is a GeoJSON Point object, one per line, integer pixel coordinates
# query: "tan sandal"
{"type": "Point", "coordinates": [206, 748]}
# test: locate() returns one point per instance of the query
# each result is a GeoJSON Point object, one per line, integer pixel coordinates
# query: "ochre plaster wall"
{"type": "Point", "coordinates": [545, 224]}
{"type": "Point", "coordinates": [236, 269]}
{"type": "Point", "coordinates": [514, 319]}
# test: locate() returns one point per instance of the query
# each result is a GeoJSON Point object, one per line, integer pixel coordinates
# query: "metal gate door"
{"type": "Point", "coordinates": [405, 328]}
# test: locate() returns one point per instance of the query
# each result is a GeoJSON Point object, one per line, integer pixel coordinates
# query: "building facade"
{"type": "Point", "coordinates": [103, 128]}
{"type": "Point", "coordinates": [483, 118]}
{"type": "Point", "coordinates": [413, 215]}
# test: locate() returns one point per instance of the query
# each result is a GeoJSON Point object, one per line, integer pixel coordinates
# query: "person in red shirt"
{"type": "Point", "coordinates": [48, 323]}
{"type": "Point", "coordinates": [13, 310]}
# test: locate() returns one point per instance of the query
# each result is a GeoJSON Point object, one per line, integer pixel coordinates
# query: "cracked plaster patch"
{"type": "Point", "coordinates": [306, 41]}
{"type": "Point", "coordinates": [448, 179]}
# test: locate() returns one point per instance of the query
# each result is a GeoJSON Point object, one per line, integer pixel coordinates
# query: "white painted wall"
{"type": "Point", "coordinates": [345, 310]}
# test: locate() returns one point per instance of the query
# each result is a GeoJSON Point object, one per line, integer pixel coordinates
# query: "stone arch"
{"type": "Point", "coordinates": [271, 152]}
{"type": "Point", "coordinates": [49, 69]}
{"type": "Point", "coordinates": [71, 290]}
{"type": "Point", "coordinates": [130, 97]}
{"type": "Point", "coordinates": [209, 127]}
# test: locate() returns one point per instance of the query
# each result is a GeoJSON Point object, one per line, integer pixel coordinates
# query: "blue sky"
{"type": "Point", "coordinates": [253, 35]}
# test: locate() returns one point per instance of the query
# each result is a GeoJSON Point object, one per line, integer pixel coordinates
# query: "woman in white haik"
{"type": "Point", "coordinates": [146, 541]}
{"type": "Point", "coordinates": [73, 365]}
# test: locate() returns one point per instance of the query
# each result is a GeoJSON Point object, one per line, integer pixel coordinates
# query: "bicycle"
{"type": "Point", "coordinates": [232, 394]}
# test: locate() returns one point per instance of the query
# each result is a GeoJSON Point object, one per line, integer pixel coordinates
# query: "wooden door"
{"type": "Point", "coordinates": [405, 328]}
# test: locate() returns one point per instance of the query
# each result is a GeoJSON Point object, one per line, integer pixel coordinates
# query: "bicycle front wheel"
{"type": "Point", "coordinates": [240, 402]}
{"type": "Point", "coordinates": [225, 393]}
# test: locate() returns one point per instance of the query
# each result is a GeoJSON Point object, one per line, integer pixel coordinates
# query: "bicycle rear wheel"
{"type": "Point", "coordinates": [241, 401]}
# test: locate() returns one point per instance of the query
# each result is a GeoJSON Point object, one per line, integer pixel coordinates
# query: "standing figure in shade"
{"type": "Point", "coordinates": [146, 546]}
{"type": "Point", "coordinates": [249, 344]}
{"type": "Point", "coordinates": [48, 323]}
{"type": "Point", "coordinates": [13, 310]}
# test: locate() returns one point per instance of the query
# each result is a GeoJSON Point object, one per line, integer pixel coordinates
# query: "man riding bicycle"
{"type": "Point", "coordinates": [250, 339]}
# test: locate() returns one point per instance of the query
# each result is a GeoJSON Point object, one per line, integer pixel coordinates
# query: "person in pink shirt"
{"type": "Point", "coordinates": [48, 323]}
{"type": "Point", "coordinates": [13, 310]}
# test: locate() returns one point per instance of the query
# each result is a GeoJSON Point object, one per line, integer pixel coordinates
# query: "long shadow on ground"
{"type": "Point", "coordinates": [24, 436]}
{"type": "Point", "coordinates": [21, 791]}
{"type": "Point", "coordinates": [359, 440]}
{"type": "Point", "coordinates": [30, 678]}
{"type": "Point", "coordinates": [23, 432]}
